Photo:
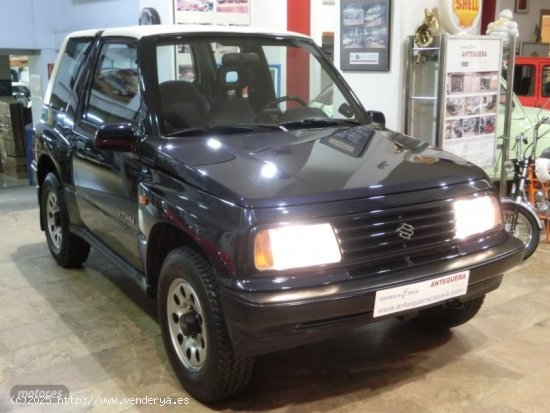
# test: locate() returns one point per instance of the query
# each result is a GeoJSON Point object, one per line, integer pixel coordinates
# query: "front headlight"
{"type": "Point", "coordinates": [295, 246]}
{"type": "Point", "coordinates": [476, 215]}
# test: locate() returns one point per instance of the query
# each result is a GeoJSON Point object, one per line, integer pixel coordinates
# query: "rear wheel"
{"type": "Point", "coordinates": [66, 248]}
{"type": "Point", "coordinates": [194, 330]}
{"type": "Point", "coordinates": [448, 316]}
{"type": "Point", "coordinates": [520, 223]}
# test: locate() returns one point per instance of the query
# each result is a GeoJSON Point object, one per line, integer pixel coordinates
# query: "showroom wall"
{"type": "Point", "coordinates": [526, 21]}
{"type": "Point", "coordinates": [384, 91]}
{"type": "Point", "coordinates": [90, 14]}
{"type": "Point", "coordinates": [38, 26]}
{"type": "Point", "coordinates": [264, 13]}
{"type": "Point", "coordinates": [21, 21]}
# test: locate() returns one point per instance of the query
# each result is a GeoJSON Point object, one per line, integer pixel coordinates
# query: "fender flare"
{"type": "Point", "coordinates": [527, 206]}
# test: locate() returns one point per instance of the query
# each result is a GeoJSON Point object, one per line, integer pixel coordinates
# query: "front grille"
{"type": "Point", "coordinates": [371, 241]}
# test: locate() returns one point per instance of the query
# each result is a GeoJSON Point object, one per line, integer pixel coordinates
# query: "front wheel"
{"type": "Point", "coordinates": [66, 248]}
{"type": "Point", "coordinates": [520, 223]}
{"type": "Point", "coordinates": [194, 330]}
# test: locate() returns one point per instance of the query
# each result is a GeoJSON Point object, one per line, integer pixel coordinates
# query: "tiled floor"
{"type": "Point", "coordinates": [93, 332]}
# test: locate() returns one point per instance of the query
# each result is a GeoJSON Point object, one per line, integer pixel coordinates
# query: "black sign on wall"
{"type": "Point", "coordinates": [365, 35]}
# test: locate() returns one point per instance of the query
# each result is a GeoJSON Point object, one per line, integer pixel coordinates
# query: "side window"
{"type": "Point", "coordinates": [545, 81]}
{"type": "Point", "coordinates": [68, 71]}
{"type": "Point", "coordinates": [220, 50]}
{"type": "Point", "coordinates": [524, 80]}
{"type": "Point", "coordinates": [114, 94]}
{"type": "Point", "coordinates": [184, 60]}
{"type": "Point", "coordinates": [175, 62]}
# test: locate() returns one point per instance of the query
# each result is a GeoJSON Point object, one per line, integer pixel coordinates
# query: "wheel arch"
{"type": "Point", "coordinates": [163, 239]}
{"type": "Point", "coordinates": [527, 207]}
{"type": "Point", "coordinates": [45, 165]}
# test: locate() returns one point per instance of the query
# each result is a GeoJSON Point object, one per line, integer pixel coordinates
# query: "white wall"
{"type": "Point", "coordinates": [270, 14]}
{"type": "Point", "coordinates": [39, 24]}
{"type": "Point", "coordinates": [17, 25]}
{"type": "Point", "coordinates": [51, 20]}
{"type": "Point", "coordinates": [73, 15]}
{"type": "Point", "coordinates": [323, 19]}
{"type": "Point", "coordinates": [526, 21]}
{"type": "Point", "coordinates": [385, 91]}
{"type": "Point", "coordinates": [37, 27]}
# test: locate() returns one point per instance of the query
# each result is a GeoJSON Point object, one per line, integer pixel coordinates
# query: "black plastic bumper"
{"type": "Point", "coordinates": [262, 322]}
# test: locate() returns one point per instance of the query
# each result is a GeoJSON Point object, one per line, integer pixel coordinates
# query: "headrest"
{"type": "Point", "coordinates": [240, 59]}
{"type": "Point", "coordinates": [230, 78]}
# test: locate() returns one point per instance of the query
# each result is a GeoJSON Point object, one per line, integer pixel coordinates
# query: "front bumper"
{"type": "Point", "coordinates": [263, 322]}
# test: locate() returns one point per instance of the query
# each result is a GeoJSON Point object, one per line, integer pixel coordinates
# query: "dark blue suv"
{"type": "Point", "coordinates": [232, 174]}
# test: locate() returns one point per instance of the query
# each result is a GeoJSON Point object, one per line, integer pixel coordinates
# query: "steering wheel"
{"type": "Point", "coordinates": [271, 113]}
{"type": "Point", "coordinates": [286, 98]}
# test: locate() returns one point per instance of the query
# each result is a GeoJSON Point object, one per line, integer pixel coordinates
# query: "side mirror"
{"type": "Point", "coordinates": [346, 110]}
{"type": "Point", "coordinates": [377, 118]}
{"type": "Point", "coordinates": [120, 137]}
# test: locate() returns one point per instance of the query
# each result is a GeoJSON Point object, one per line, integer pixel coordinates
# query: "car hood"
{"type": "Point", "coordinates": [273, 168]}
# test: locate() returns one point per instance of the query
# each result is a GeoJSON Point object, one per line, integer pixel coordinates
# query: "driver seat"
{"type": "Point", "coordinates": [232, 108]}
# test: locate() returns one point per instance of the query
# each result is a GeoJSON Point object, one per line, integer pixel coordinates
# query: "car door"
{"type": "Point", "coordinates": [543, 97]}
{"type": "Point", "coordinates": [525, 81]}
{"type": "Point", "coordinates": [106, 181]}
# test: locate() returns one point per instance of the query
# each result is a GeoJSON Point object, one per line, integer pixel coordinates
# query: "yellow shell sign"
{"type": "Point", "coordinates": [459, 16]}
{"type": "Point", "coordinates": [466, 11]}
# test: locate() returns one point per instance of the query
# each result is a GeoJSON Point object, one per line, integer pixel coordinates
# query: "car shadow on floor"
{"type": "Point", "coordinates": [356, 365]}
{"type": "Point", "coordinates": [359, 364]}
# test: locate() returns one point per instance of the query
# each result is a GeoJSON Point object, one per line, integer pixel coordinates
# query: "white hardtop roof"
{"type": "Point", "coordinates": [151, 30]}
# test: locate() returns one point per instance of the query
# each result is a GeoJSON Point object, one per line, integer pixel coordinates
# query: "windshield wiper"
{"type": "Point", "coordinates": [317, 123]}
{"type": "Point", "coordinates": [224, 129]}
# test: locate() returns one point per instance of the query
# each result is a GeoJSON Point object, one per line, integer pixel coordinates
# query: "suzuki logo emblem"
{"type": "Point", "coordinates": [405, 231]}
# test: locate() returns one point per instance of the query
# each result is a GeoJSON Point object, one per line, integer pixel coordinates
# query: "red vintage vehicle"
{"type": "Point", "coordinates": [532, 81]}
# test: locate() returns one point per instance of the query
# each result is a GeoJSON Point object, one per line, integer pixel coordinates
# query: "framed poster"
{"type": "Point", "coordinates": [471, 98]}
{"type": "Point", "coordinates": [223, 12]}
{"type": "Point", "coordinates": [36, 86]}
{"type": "Point", "coordinates": [365, 35]}
{"type": "Point", "coordinates": [522, 6]}
{"type": "Point", "coordinates": [534, 49]}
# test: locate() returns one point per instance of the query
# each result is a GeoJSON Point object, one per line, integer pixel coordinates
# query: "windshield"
{"type": "Point", "coordinates": [234, 80]}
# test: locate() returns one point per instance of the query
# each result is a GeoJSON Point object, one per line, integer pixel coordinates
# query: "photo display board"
{"type": "Point", "coordinates": [471, 98]}
{"type": "Point", "coordinates": [365, 35]}
{"type": "Point", "coordinates": [223, 12]}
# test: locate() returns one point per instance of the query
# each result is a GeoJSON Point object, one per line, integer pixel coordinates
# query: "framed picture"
{"type": "Point", "coordinates": [223, 12]}
{"type": "Point", "coordinates": [534, 49]}
{"type": "Point", "coordinates": [365, 35]}
{"type": "Point", "coordinates": [522, 6]}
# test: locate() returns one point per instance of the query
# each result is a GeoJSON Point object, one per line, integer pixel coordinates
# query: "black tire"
{"type": "Point", "coordinates": [67, 249]}
{"type": "Point", "coordinates": [449, 315]}
{"type": "Point", "coordinates": [194, 330]}
{"type": "Point", "coordinates": [526, 230]}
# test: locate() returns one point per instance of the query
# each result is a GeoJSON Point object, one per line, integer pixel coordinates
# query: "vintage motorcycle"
{"type": "Point", "coordinates": [528, 197]}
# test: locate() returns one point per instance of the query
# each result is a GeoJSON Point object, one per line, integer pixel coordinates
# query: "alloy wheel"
{"type": "Point", "coordinates": [186, 324]}
{"type": "Point", "coordinates": [53, 220]}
